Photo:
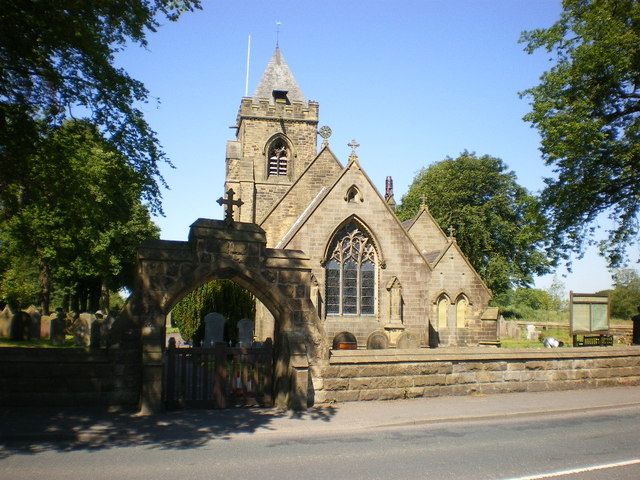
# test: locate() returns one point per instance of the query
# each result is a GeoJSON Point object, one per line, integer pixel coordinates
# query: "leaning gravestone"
{"type": "Point", "coordinates": [245, 333]}
{"type": "Point", "coordinates": [213, 329]}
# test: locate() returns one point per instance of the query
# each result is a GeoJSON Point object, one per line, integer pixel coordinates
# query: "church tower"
{"type": "Point", "coordinates": [275, 141]}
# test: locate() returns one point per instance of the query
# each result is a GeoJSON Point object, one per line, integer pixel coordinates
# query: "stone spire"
{"type": "Point", "coordinates": [278, 77]}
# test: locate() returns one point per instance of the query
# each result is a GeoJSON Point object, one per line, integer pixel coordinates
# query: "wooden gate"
{"type": "Point", "coordinates": [218, 377]}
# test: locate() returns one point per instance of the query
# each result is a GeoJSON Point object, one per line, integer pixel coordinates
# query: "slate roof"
{"type": "Point", "coordinates": [277, 76]}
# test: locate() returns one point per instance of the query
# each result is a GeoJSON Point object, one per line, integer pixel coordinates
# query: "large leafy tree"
{"type": "Point", "coordinates": [587, 110]}
{"type": "Point", "coordinates": [81, 217]}
{"type": "Point", "coordinates": [497, 222]}
{"type": "Point", "coordinates": [57, 61]}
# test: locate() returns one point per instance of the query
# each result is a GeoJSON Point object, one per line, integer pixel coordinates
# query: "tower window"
{"type": "Point", "coordinates": [351, 273]}
{"type": "Point", "coordinates": [278, 158]}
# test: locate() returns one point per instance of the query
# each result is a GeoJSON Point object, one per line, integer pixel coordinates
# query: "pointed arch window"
{"type": "Point", "coordinates": [278, 155]}
{"type": "Point", "coordinates": [443, 307]}
{"type": "Point", "coordinates": [351, 273]}
{"type": "Point", "coordinates": [461, 311]}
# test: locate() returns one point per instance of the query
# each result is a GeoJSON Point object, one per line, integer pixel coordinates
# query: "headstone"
{"type": "Point", "coordinates": [20, 328]}
{"type": "Point", "coordinates": [377, 341]}
{"type": "Point", "coordinates": [5, 321]}
{"type": "Point", "coordinates": [96, 331]}
{"type": "Point", "coordinates": [56, 329]}
{"type": "Point", "coordinates": [82, 334]}
{"type": "Point", "coordinates": [245, 333]}
{"type": "Point", "coordinates": [531, 332]}
{"type": "Point", "coordinates": [213, 329]}
{"type": "Point", "coordinates": [407, 340]}
{"type": "Point", "coordinates": [34, 327]}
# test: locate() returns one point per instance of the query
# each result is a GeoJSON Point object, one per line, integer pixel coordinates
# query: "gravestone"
{"type": "Point", "coordinates": [245, 333]}
{"type": "Point", "coordinates": [34, 326]}
{"type": "Point", "coordinates": [531, 332]}
{"type": "Point", "coordinates": [96, 334]}
{"type": "Point", "coordinates": [56, 328]}
{"type": "Point", "coordinates": [82, 334]}
{"type": "Point", "coordinates": [377, 341]}
{"type": "Point", "coordinates": [407, 340]}
{"type": "Point", "coordinates": [45, 325]}
{"type": "Point", "coordinates": [5, 321]}
{"type": "Point", "coordinates": [213, 329]}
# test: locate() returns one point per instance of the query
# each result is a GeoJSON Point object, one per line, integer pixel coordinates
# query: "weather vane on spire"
{"type": "Point", "coordinates": [278, 23]}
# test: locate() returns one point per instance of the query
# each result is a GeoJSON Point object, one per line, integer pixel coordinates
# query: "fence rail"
{"type": "Point", "coordinates": [218, 377]}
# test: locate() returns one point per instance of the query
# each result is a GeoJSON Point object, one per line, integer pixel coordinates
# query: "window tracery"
{"type": "Point", "coordinates": [351, 273]}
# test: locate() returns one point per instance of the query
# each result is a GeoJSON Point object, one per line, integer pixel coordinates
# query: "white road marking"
{"type": "Point", "coordinates": [578, 470]}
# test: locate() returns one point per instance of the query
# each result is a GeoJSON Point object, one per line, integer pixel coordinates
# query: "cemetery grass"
{"type": "Point", "coordinates": [38, 343]}
{"type": "Point", "coordinates": [558, 334]}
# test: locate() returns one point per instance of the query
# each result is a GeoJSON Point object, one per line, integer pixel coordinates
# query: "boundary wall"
{"type": "Point", "coordinates": [392, 374]}
{"type": "Point", "coordinates": [69, 377]}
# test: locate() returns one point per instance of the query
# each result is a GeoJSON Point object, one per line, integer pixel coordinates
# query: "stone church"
{"type": "Point", "coordinates": [377, 282]}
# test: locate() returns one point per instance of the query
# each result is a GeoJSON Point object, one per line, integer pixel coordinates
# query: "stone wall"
{"type": "Point", "coordinates": [69, 377]}
{"type": "Point", "coordinates": [392, 374]}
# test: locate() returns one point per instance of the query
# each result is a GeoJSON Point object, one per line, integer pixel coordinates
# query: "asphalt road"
{"type": "Point", "coordinates": [598, 445]}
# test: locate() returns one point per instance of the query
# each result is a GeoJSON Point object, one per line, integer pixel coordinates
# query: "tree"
{"type": "Point", "coordinates": [497, 222]}
{"type": "Point", "coordinates": [587, 111]}
{"type": "Point", "coordinates": [222, 296]}
{"type": "Point", "coordinates": [81, 228]}
{"type": "Point", "coordinates": [625, 296]}
{"type": "Point", "coordinates": [57, 57]}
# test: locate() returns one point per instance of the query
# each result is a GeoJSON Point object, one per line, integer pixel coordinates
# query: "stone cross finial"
{"type": "Point", "coordinates": [423, 200]}
{"type": "Point", "coordinates": [451, 231]}
{"type": "Point", "coordinates": [229, 203]}
{"type": "Point", "coordinates": [353, 144]}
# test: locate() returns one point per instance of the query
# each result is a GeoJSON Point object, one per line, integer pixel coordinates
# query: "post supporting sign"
{"type": "Point", "coordinates": [589, 316]}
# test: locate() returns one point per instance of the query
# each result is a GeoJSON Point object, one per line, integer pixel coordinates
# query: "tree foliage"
{"type": "Point", "coordinates": [625, 296]}
{"type": "Point", "coordinates": [57, 59]}
{"type": "Point", "coordinates": [222, 296]}
{"type": "Point", "coordinates": [587, 110]}
{"type": "Point", "coordinates": [81, 218]}
{"type": "Point", "coordinates": [497, 222]}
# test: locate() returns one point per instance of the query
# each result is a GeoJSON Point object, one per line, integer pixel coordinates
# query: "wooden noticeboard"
{"type": "Point", "coordinates": [589, 313]}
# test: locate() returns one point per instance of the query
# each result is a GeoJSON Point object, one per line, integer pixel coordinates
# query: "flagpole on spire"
{"type": "Point", "coordinates": [278, 23]}
{"type": "Point", "coordinates": [246, 81]}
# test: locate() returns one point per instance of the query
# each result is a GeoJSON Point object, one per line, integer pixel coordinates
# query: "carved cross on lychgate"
{"type": "Point", "coordinates": [229, 202]}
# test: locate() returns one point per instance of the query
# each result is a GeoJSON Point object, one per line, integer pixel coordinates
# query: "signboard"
{"type": "Point", "coordinates": [589, 312]}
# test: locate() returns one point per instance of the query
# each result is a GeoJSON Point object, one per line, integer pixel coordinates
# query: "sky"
{"type": "Point", "coordinates": [412, 81]}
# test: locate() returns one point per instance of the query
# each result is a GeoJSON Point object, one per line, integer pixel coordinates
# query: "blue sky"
{"type": "Point", "coordinates": [411, 81]}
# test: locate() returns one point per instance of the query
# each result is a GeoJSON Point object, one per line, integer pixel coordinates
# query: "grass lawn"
{"type": "Point", "coordinates": [558, 334]}
{"type": "Point", "coordinates": [40, 343]}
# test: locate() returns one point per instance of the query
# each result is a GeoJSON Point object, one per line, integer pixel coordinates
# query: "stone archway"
{"type": "Point", "coordinates": [280, 279]}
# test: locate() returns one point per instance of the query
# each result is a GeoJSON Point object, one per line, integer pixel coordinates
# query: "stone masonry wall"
{"type": "Point", "coordinates": [393, 374]}
{"type": "Point", "coordinates": [69, 377]}
{"type": "Point", "coordinates": [403, 260]}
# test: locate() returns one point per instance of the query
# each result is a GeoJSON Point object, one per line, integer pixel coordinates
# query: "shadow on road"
{"type": "Point", "coordinates": [24, 431]}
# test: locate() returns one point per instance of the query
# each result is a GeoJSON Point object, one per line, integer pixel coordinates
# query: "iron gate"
{"type": "Point", "coordinates": [218, 377]}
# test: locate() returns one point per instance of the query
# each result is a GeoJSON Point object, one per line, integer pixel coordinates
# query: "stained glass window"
{"type": "Point", "coordinates": [351, 273]}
